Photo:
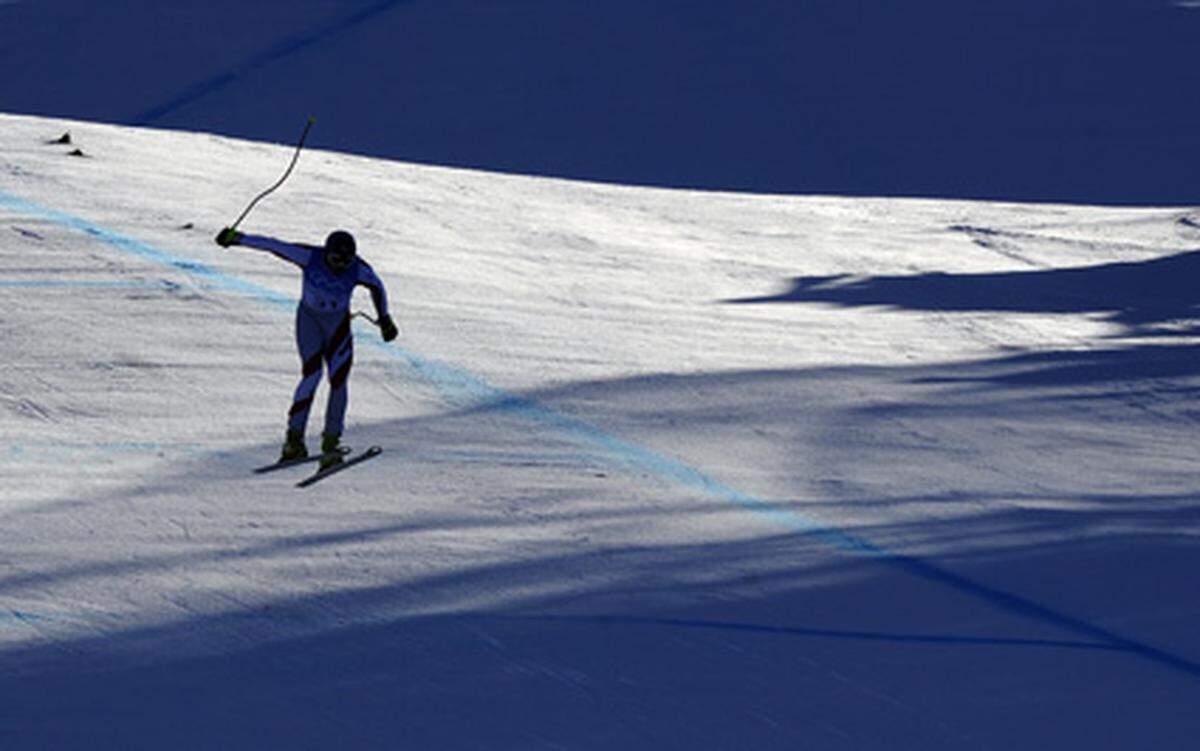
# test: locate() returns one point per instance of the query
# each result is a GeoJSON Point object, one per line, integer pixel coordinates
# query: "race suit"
{"type": "Point", "coordinates": [323, 334]}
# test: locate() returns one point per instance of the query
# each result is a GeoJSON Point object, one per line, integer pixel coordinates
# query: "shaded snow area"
{"type": "Point", "coordinates": [661, 469]}
{"type": "Point", "coordinates": [1083, 101]}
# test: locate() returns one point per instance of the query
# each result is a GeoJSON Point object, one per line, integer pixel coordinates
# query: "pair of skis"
{"type": "Point", "coordinates": [348, 460]}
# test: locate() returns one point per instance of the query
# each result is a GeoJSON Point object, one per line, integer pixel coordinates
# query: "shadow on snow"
{"type": "Point", "coordinates": [1071, 101]}
{"type": "Point", "coordinates": [531, 613]}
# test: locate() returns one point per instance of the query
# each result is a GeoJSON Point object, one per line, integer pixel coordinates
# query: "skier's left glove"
{"type": "Point", "coordinates": [228, 236]}
{"type": "Point", "coordinates": [387, 327]}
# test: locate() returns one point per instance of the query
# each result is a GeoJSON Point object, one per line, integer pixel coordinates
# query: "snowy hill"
{"type": "Point", "coordinates": [1085, 101]}
{"type": "Point", "coordinates": [662, 469]}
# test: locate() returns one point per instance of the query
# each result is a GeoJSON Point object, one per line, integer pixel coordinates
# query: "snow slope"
{"type": "Point", "coordinates": [662, 469]}
{"type": "Point", "coordinates": [1071, 100]}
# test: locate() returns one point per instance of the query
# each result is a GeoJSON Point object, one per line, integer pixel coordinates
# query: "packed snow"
{"type": "Point", "coordinates": [661, 469]}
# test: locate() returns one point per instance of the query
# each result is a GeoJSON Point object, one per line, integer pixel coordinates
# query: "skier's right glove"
{"type": "Point", "coordinates": [228, 236]}
{"type": "Point", "coordinates": [387, 327]}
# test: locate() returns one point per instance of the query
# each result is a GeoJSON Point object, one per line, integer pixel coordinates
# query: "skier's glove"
{"type": "Point", "coordinates": [228, 236]}
{"type": "Point", "coordinates": [387, 327]}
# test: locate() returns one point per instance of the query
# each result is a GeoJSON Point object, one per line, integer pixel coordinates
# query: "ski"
{"type": "Point", "coordinates": [344, 464]}
{"type": "Point", "coordinates": [343, 450]}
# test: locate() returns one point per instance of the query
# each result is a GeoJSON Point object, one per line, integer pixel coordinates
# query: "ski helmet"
{"type": "Point", "coordinates": [340, 250]}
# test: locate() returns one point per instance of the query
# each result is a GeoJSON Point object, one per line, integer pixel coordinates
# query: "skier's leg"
{"type": "Point", "coordinates": [310, 342]}
{"type": "Point", "coordinates": [339, 356]}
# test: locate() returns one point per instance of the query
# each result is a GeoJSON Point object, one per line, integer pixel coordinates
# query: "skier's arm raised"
{"type": "Point", "coordinates": [297, 254]}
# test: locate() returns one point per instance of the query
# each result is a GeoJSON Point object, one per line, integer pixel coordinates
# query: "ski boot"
{"type": "Point", "coordinates": [293, 446]}
{"type": "Point", "coordinates": [331, 450]}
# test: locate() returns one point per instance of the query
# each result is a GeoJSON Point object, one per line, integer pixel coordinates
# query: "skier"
{"type": "Point", "coordinates": [322, 328]}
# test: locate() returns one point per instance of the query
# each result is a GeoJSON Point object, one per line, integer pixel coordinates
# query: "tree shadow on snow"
{"type": "Point", "coordinates": [1139, 295]}
{"type": "Point", "coordinates": [343, 669]}
{"type": "Point", "coordinates": [1144, 299]}
{"type": "Point", "coordinates": [496, 621]}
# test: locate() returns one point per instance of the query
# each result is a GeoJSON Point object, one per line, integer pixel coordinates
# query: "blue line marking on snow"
{"type": "Point", "coordinates": [270, 55]}
{"type": "Point", "coordinates": [758, 628]}
{"type": "Point", "coordinates": [23, 617]}
{"type": "Point", "coordinates": [207, 274]}
{"type": "Point", "coordinates": [460, 387]}
{"type": "Point", "coordinates": [29, 619]}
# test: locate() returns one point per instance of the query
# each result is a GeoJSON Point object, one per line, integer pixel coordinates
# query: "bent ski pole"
{"type": "Point", "coordinates": [272, 189]}
{"type": "Point", "coordinates": [376, 322]}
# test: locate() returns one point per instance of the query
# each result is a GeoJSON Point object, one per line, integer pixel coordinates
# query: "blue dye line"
{"type": "Point", "coordinates": [463, 389]}
{"type": "Point", "coordinates": [26, 618]}
{"type": "Point", "coordinates": [758, 628]}
{"type": "Point", "coordinates": [210, 276]}
{"type": "Point", "coordinates": [272, 54]}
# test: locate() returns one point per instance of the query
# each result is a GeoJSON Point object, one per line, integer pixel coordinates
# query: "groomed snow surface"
{"type": "Point", "coordinates": [661, 469]}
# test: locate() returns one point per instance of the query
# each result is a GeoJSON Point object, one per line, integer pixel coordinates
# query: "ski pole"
{"type": "Point", "coordinates": [378, 323]}
{"type": "Point", "coordinates": [270, 190]}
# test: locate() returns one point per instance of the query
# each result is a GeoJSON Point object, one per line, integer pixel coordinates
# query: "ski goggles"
{"type": "Point", "coordinates": [339, 259]}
